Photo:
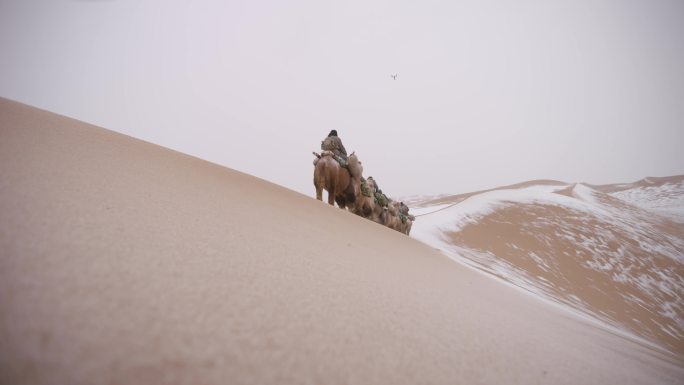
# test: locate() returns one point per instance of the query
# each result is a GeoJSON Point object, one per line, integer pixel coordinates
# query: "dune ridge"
{"type": "Point", "coordinates": [125, 262]}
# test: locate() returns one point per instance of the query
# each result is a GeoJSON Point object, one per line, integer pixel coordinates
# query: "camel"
{"type": "Point", "coordinates": [365, 205]}
{"type": "Point", "coordinates": [344, 188]}
{"type": "Point", "coordinates": [393, 218]}
{"type": "Point", "coordinates": [335, 179]}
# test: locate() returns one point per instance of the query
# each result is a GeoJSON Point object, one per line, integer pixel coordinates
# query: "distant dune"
{"type": "Point", "coordinates": [615, 252]}
{"type": "Point", "coordinates": [128, 263]}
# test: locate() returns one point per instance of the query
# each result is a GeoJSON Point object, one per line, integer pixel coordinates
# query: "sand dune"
{"type": "Point", "coordinates": [127, 263]}
{"type": "Point", "coordinates": [615, 252]}
{"type": "Point", "coordinates": [661, 195]}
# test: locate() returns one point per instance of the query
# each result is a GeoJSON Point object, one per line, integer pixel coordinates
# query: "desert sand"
{"type": "Point", "coordinates": [127, 263]}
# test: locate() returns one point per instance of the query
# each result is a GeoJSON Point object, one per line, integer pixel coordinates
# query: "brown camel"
{"type": "Point", "coordinates": [393, 218]}
{"type": "Point", "coordinates": [335, 179]}
{"type": "Point", "coordinates": [365, 205]}
{"type": "Point", "coordinates": [344, 187]}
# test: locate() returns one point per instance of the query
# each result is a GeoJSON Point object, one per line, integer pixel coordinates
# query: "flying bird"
{"type": "Point", "coordinates": [394, 76]}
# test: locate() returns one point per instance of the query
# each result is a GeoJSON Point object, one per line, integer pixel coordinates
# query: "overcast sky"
{"type": "Point", "coordinates": [488, 93]}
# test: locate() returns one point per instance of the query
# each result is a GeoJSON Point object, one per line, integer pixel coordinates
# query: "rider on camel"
{"type": "Point", "coordinates": [333, 143]}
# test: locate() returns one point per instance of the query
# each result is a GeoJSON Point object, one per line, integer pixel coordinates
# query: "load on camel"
{"type": "Point", "coordinates": [342, 177]}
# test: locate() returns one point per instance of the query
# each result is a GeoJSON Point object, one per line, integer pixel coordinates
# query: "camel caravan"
{"type": "Point", "coordinates": [342, 177]}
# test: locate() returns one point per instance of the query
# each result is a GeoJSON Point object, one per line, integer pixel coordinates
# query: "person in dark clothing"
{"type": "Point", "coordinates": [333, 143]}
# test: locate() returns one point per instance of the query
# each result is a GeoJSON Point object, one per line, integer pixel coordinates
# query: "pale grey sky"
{"type": "Point", "coordinates": [489, 92]}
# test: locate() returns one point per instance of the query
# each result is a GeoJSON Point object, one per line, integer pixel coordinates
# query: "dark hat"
{"type": "Point", "coordinates": [333, 133]}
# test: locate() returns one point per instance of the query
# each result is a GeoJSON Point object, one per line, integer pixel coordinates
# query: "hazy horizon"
{"type": "Point", "coordinates": [487, 94]}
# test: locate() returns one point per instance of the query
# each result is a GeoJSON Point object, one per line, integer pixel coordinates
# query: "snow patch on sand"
{"type": "Point", "coordinates": [666, 199]}
{"type": "Point", "coordinates": [620, 239]}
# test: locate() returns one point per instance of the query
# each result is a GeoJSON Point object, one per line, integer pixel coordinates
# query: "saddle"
{"type": "Point", "coordinates": [339, 159]}
{"type": "Point", "coordinates": [381, 199]}
{"type": "Point", "coordinates": [365, 190]}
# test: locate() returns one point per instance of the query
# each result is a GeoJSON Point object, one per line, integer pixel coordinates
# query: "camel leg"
{"type": "Point", "coordinates": [331, 197]}
{"type": "Point", "coordinates": [319, 187]}
{"type": "Point", "coordinates": [341, 202]}
{"type": "Point", "coordinates": [319, 193]}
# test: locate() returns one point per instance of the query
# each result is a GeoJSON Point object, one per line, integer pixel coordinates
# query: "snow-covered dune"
{"type": "Point", "coordinates": [614, 252]}
{"type": "Point", "coordinates": [660, 195]}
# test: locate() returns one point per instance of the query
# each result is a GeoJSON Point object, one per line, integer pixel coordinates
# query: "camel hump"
{"type": "Point", "coordinates": [354, 166]}
{"type": "Point", "coordinates": [339, 159]}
